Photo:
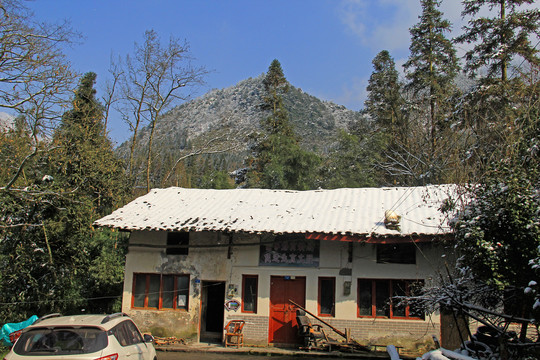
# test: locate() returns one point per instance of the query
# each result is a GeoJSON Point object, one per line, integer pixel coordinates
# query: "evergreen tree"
{"type": "Point", "coordinates": [498, 40]}
{"type": "Point", "coordinates": [431, 69]}
{"type": "Point", "coordinates": [432, 65]}
{"type": "Point", "coordinates": [85, 163]}
{"type": "Point", "coordinates": [85, 159]}
{"type": "Point", "coordinates": [353, 162]}
{"type": "Point", "coordinates": [55, 260]}
{"type": "Point", "coordinates": [384, 100]}
{"type": "Point", "coordinates": [387, 109]}
{"type": "Point", "coordinates": [278, 161]}
{"type": "Point", "coordinates": [492, 111]}
{"type": "Point", "coordinates": [275, 85]}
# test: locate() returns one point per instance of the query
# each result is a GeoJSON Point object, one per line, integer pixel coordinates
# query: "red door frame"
{"type": "Point", "coordinates": [282, 322]}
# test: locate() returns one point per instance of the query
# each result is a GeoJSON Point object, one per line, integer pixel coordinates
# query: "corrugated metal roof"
{"type": "Point", "coordinates": [358, 211]}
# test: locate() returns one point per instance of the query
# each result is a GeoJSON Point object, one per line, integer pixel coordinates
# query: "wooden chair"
{"type": "Point", "coordinates": [233, 329]}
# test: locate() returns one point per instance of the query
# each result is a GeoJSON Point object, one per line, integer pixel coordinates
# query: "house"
{"type": "Point", "coordinates": [199, 258]}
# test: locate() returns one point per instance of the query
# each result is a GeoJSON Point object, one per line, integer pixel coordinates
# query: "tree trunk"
{"type": "Point", "coordinates": [503, 62]}
{"type": "Point", "coordinates": [149, 158]}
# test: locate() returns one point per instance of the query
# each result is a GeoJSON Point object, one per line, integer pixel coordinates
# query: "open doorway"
{"type": "Point", "coordinates": [212, 311]}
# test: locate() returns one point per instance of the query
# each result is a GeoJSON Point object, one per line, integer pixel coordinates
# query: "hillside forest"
{"type": "Point", "coordinates": [471, 120]}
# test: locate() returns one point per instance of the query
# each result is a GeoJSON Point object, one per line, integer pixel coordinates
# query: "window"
{"type": "Point", "coordinates": [127, 334]}
{"type": "Point", "coordinates": [39, 342]}
{"type": "Point", "coordinates": [374, 299]}
{"type": "Point", "coordinates": [396, 253]}
{"type": "Point", "coordinates": [249, 293]}
{"type": "Point", "coordinates": [327, 296]}
{"type": "Point", "coordinates": [157, 291]}
{"type": "Point", "coordinates": [175, 241]}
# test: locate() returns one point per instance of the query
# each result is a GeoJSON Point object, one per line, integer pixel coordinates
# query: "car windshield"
{"type": "Point", "coordinates": [61, 341]}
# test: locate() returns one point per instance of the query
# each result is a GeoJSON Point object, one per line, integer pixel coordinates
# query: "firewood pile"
{"type": "Point", "coordinates": [171, 340]}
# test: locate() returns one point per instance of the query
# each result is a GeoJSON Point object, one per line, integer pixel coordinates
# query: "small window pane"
{"type": "Point", "coordinates": [364, 297]}
{"type": "Point", "coordinates": [153, 291]}
{"type": "Point", "coordinates": [382, 297]}
{"type": "Point", "coordinates": [399, 288]}
{"type": "Point", "coordinates": [139, 290]}
{"type": "Point", "coordinates": [167, 293]}
{"type": "Point", "coordinates": [249, 294]}
{"type": "Point", "coordinates": [182, 290]}
{"type": "Point", "coordinates": [326, 296]}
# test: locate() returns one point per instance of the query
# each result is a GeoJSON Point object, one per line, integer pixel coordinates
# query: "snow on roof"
{"type": "Point", "coordinates": [358, 211]}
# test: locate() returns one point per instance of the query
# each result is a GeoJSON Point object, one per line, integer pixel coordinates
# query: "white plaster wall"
{"type": "Point", "coordinates": [213, 264]}
{"type": "Point", "coordinates": [202, 264]}
{"type": "Point", "coordinates": [333, 257]}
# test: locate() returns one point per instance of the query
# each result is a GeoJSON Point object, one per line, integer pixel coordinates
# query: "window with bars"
{"type": "Point", "coordinates": [160, 291]}
{"type": "Point", "coordinates": [385, 298]}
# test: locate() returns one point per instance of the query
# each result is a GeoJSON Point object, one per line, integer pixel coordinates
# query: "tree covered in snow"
{"type": "Point", "coordinates": [498, 233]}
{"type": "Point", "coordinates": [499, 39]}
{"type": "Point", "coordinates": [532, 287]}
{"type": "Point", "coordinates": [278, 160]}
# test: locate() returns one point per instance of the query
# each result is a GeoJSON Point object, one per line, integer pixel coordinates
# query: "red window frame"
{"type": "Point", "coordinates": [256, 296]}
{"type": "Point", "coordinates": [391, 284]}
{"type": "Point", "coordinates": [319, 296]}
{"type": "Point", "coordinates": [160, 302]}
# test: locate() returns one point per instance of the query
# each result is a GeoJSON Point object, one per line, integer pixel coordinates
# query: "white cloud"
{"type": "Point", "coordinates": [385, 24]}
{"type": "Point", "coordinates": [382, 24]}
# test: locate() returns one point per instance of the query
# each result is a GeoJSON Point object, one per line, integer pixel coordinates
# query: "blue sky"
{"type": "Point", "coordinates": [325, 46]}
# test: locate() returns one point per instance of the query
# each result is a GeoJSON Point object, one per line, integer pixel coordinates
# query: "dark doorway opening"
{"type": "Point", "coordinates": [212, 311]}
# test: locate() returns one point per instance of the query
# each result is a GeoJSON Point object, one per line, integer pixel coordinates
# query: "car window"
{"type": "Point", "coordinates": [61, 341]}
{"type": "Point", "coordinates": [119, 332]}
{"type": "Point", "coordinates": [133, 333]}
{"type": "Point", "coordinates": [126, 333]}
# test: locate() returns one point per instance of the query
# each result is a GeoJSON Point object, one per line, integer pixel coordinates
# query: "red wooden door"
{"type": "Point", "coordinates": [282, 326]}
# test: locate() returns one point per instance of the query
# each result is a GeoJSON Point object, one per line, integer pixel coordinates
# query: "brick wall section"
{"type": "Point", "coordinates": [363, 330]}
{"type": "Point", "coordinates": [255, 330]}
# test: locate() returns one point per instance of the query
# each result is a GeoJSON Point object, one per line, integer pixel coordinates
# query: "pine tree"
{"type": "Point", "coordinates": [352, 162]}
{"type": "Point", "coordinates": [433, 64]}
{"type": "Point", "coordinates": [431, 69]}
{"type": "Point", "coordinates": [492, 111]}
{"type": "Point", "coordinates": [384, 100]}
{"type": "Point", "coordinates": [85, 159]}
{"type": "Point", "coordinates": [498, 40]}
{"type": "Point", "coordinates": [278, 161]}
{"type": "Point", "coordinates": [275, 85]}
{"type": "Point", "coordinates": [387, 108]}
{"type": "Point", "coordinates": [46, 262]}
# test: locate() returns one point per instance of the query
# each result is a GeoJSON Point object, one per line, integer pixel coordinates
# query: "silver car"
{"type": "Point", "coordinates": [84, 337]}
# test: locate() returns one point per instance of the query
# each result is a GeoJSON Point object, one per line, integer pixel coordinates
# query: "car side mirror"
{"type": "Point", "coordinates": [148, 338]}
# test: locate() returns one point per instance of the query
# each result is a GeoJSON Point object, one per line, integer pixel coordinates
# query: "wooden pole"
{"type": "Point", "coordinates": [348, 339]}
